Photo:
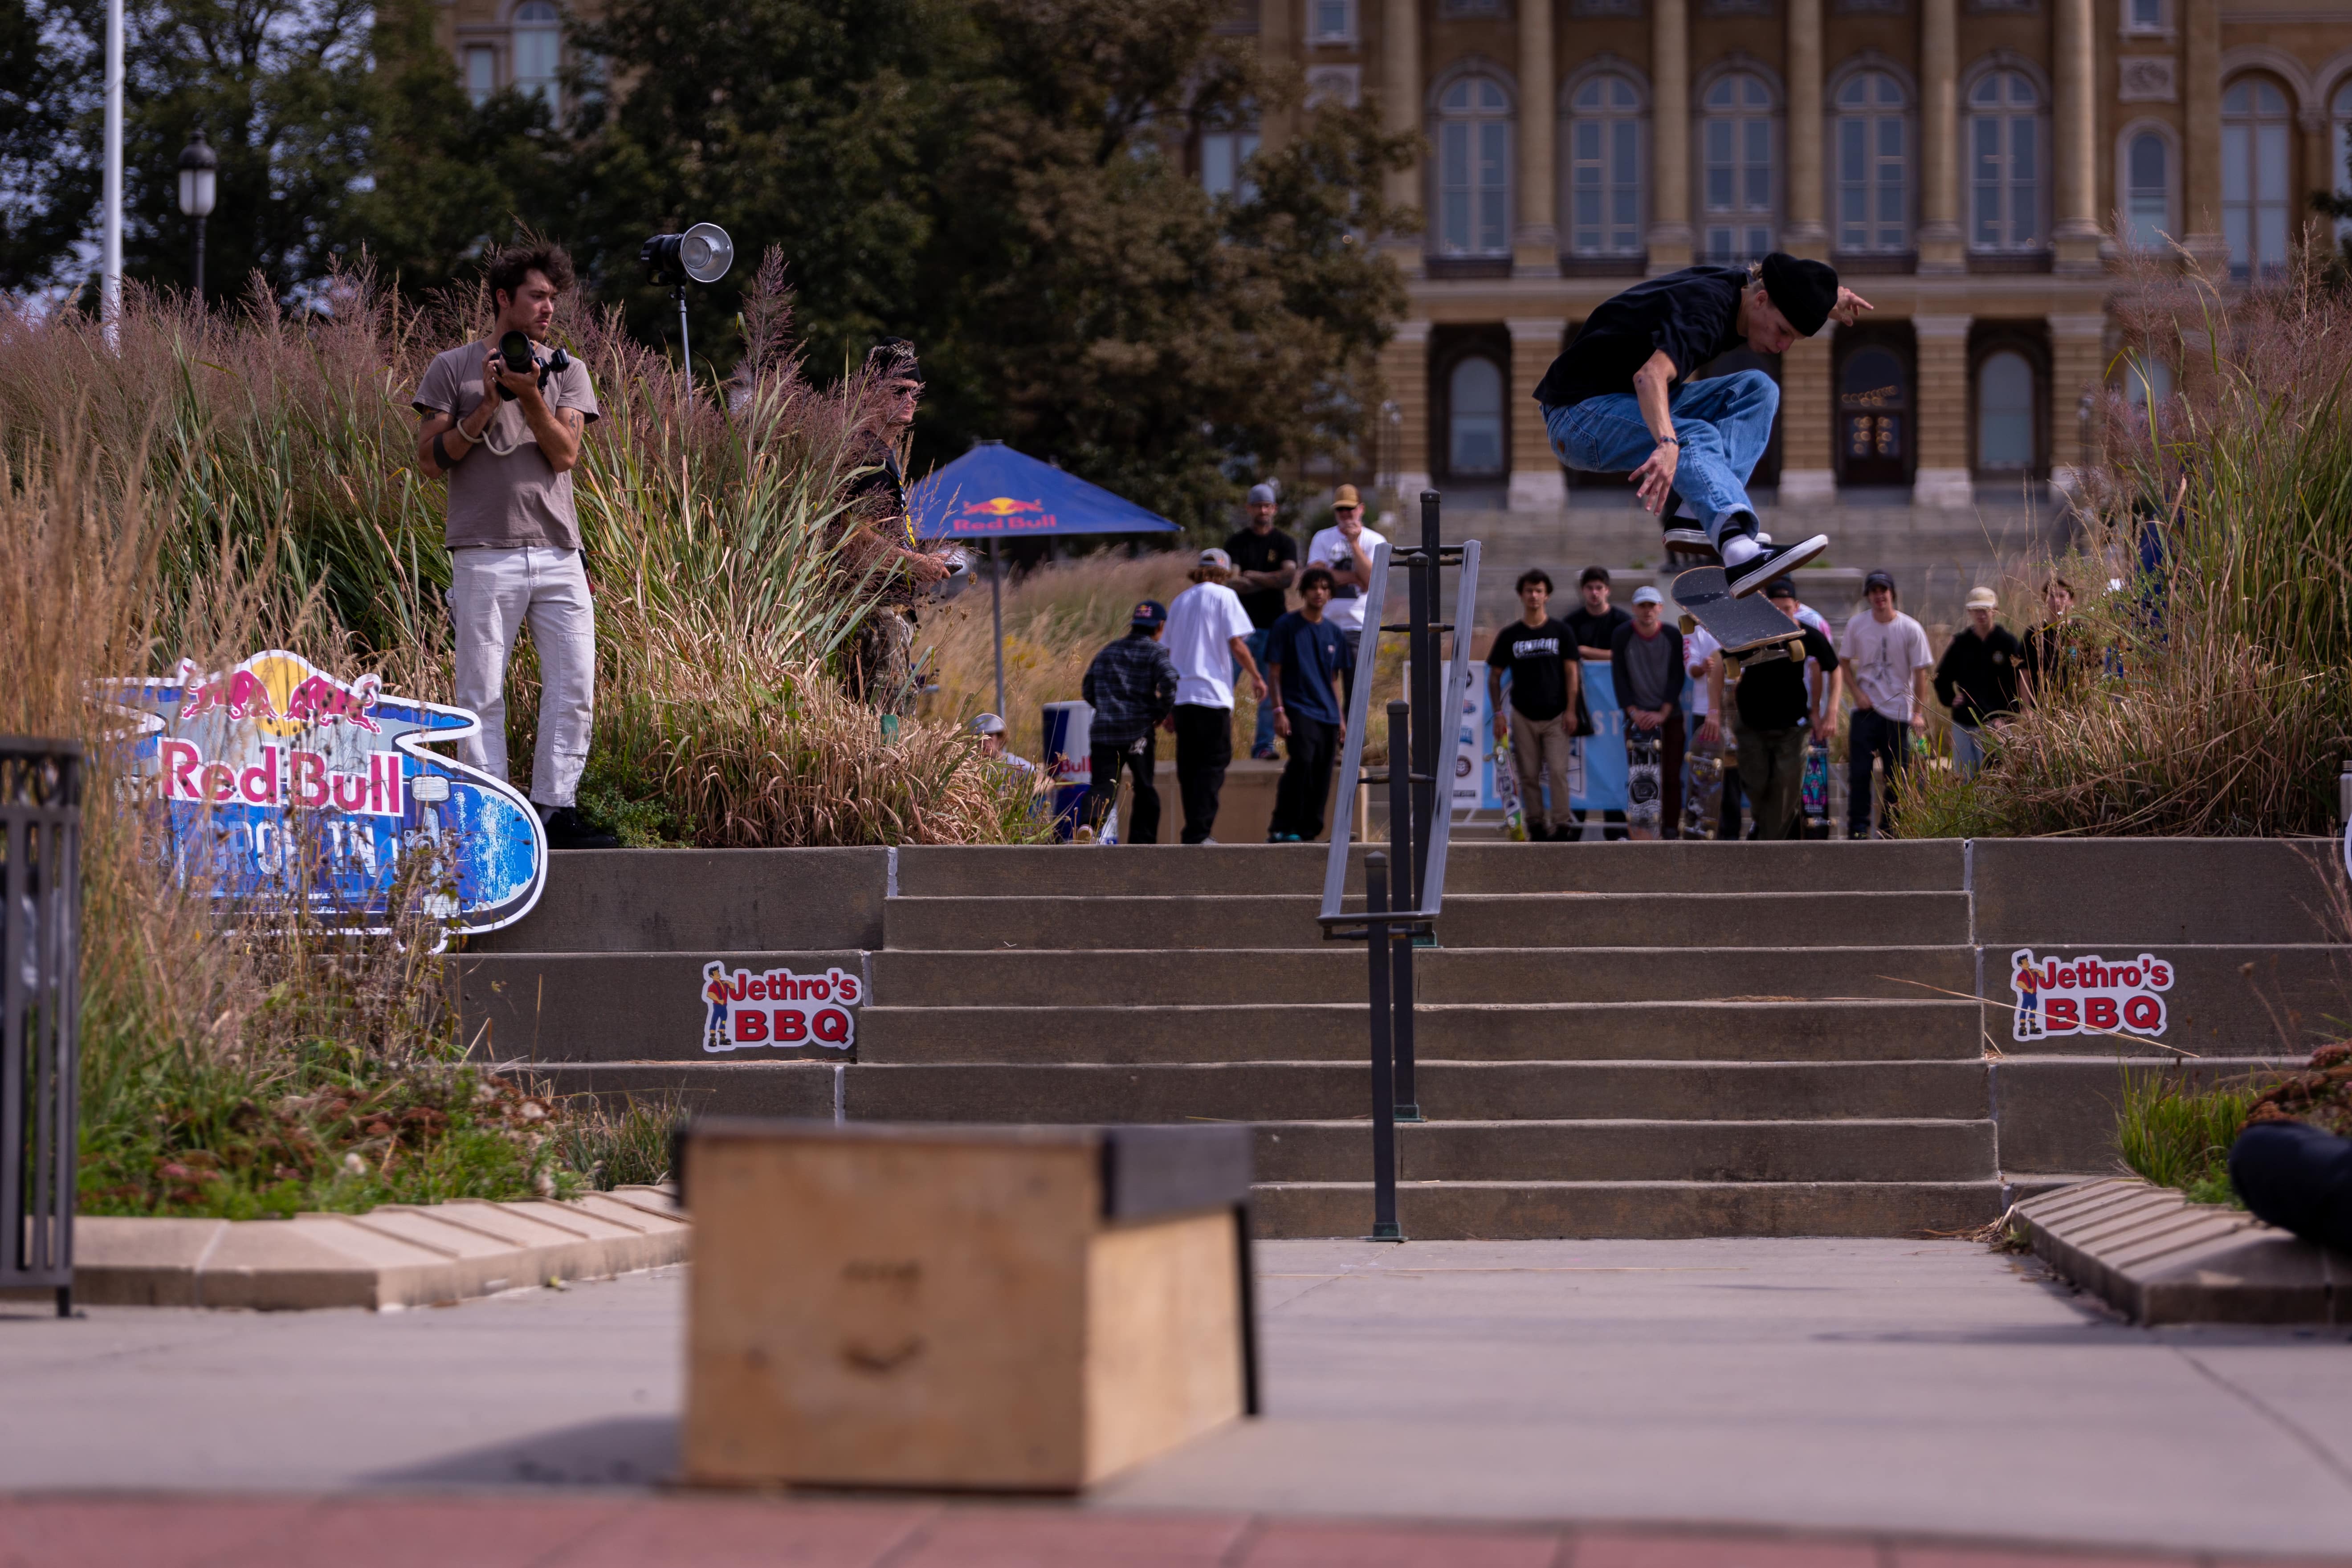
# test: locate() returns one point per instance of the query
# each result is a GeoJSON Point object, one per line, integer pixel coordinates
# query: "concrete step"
{"type": "Point", "coordinates": [1576, 1031]}
{"type": "Point", "coordinates": [1477, 919]}
{"type": "Point", "coordinates": [728, 901]}
{"type": "Point", "coordinates": [1336, 972]}
{"type": "Point", "coordinates": [1634, 1151]}
{"type": "Point", "coordinates": [1524, 1211]}
{"type": "Point", "coordinates": [610, 1007]}
{"type": "Point", "coordinates": [1449, 1091]}
{"type": "Point", "coordinates": [1667, 867]}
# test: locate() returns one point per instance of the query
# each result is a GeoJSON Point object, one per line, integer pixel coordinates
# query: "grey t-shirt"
{"type": "Point", "coordinates": [504, 494]}
{"type": "Point", "coordinates": [1653, 666]}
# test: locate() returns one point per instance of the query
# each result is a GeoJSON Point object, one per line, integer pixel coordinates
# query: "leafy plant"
{"type": "Point", "coordinates": [2179, 1136]}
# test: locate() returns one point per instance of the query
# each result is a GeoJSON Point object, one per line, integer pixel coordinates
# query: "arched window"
{"type": "Point", "coordinates": [1873, 406]}
{"type": "Point", "coordinates": [2005, 412]}
{"type": "Point", "coordinates": [481, 74]}
{"type": "Point", "coordinates": [1473, 163]}
{"type": "Point", "coordinates": [2148, 190]}
{"type": "Point", "coordinates": [2004, 162]}
{"type": "Point", "coordinates": [1475, 417]}
{"type": "Point", "coordinates": [1604, 168]}
{"type": "Point", "coordinates": [1736, 138]}
{"type": "Point", "coordinates": [538, 50]}
{"type": "Point", "coordinates": [2254, 145]}
{"type": "Point", "coordinates": [1873, 163]}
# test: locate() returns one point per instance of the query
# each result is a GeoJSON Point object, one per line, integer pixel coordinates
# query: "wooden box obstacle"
{"type": "Point", "coordinates": [1006, 1308]}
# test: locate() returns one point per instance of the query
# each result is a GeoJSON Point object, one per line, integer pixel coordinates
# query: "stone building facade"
{"type": "Point", "coordinates": [1971, 167]}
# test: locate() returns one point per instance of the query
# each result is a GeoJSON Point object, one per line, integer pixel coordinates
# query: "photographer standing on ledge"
{"type": "Point", "coordinates": [513, 537]}
{"type": "Point", "coordinates": [881, 532]}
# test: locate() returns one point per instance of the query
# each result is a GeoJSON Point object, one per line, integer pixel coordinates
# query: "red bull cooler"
{"type": "Point", "coordinates": [1070, 759]}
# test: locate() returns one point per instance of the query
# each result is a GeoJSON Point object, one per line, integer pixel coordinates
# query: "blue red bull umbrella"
{"type": "Point", "coordinates": [992, 492]}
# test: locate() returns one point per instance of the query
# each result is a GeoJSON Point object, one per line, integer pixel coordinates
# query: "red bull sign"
{"type": "Point", "coordinates": [778, 1010]}
{"type": "Point", "coordinates": [1002, 514]}
{"type": "Point", "coordinates": [277, 782]}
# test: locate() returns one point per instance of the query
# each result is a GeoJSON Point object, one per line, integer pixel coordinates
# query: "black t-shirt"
{"type": "Point", "coordinates": [1693, 315]}
{"type": "Point", "coordinates": [1533, 656]}
{"type": "Point", "coordinates": [1255, 551]}
{"type": "Point", "coordinates": [1597, 632]}
{"type": "Point", "coordinates": [1772, 692]}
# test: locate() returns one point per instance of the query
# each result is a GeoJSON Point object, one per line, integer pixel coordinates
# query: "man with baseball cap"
{"type": "Point", "coordinates": [990, 728]}
{"type": "Point", "coordinates": [1645, 659]}
{"type": "Point", "coordinates": [1977, 680]}
{"type": "Point", "coordinates": [1131, 687]}
{"type": "Point", "coordinates": [1345, 550]}
{"type": "Point", "coordinates": [1265, 559]}
{"type": "Point", "coordinates": [1208, 640]}
{"type": "Point", "coordinates": [1620, 397]}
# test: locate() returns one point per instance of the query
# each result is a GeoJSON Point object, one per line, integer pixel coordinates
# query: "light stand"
{"type": "Point", "coordinates": [199, 184]}
{"type": "Point", "coordinates": [701, 255]}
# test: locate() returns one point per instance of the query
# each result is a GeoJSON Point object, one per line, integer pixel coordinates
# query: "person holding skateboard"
{"type": "Point", "coordinates": [1540, 655]}
{"type": "Point", "coordinates": [1769, 713]}
{"type": "Point", "coordinates": [1646, 665]}
{"type": "Point", "coordinates": [1619, 397]}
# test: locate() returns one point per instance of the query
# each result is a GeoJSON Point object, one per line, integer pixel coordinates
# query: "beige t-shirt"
{"type": "Point", "coordinates": [504, 494]}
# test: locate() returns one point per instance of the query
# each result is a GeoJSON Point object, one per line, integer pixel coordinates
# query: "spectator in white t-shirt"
{"type": "Point", "coordinates": [1888, 652]}
{"type": "Point", "coordinates": [1208, 637]}
{"type": "Point", "coordinates": [1345, 547]}
{"type": "Point", "coordinates": [1700, 654]}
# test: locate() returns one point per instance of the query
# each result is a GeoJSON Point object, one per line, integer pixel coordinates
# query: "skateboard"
{"type": "Point", "coordinates": [1643, 791]}
{"type": "Point", "coordinates": [1817, 789]}
{"type": "Point", "coordinates": [1749, 629]}
{"type": "Point", "coordinates": [1705, 800]}
{"type": "Point", "coordinates": [1506, 785]}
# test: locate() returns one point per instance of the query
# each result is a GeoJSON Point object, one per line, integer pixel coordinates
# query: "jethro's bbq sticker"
{"type": "Point", "coordinates": [778, 1010]}
{"type": "Point", "coordinates": [2086, 996]}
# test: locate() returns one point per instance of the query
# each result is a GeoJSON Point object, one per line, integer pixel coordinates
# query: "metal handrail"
{"type": "Point", "coordinates": [1335, 870]}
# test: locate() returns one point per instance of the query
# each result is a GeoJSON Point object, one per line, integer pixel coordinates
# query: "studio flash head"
{"type": "Point", "coordinates": [702, 253]}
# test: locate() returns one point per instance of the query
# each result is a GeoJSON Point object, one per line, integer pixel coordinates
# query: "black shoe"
{"type": "Point", "coordinates": [1774, 561]}
{"type": "Point", "coordinates": [1538, 833]}
{"type": "Point", "coordinates": [565, 830]}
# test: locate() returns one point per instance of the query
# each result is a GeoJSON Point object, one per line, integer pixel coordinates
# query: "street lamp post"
{"type": "Point", "coordinates": [199, 176]}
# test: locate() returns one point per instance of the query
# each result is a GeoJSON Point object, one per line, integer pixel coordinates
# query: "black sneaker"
{"type": "Point", "coordinates": [565, 830]}
{"type": "Point", "coordinates": [1773, 561]}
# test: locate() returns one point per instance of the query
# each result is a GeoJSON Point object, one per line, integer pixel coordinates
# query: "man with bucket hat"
{"type": "Point", "coordinates": [1619, 398]}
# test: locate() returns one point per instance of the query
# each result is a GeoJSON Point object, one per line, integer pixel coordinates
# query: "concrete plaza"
{"type": "Point", "coordinates": [1884, 1393]}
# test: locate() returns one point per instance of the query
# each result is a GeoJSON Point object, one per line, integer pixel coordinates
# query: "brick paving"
{"type": "Point", "coordinates": [723, 1531]}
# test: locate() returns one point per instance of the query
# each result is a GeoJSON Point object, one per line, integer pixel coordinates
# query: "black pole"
{"type": "Point", "coordinates": [200, 261]}
{"type": "Point", "coordinates": [1376, 904]}
{"type": "Point", "coordinates": [1430, 695]}
{"type": "Point", "coordinates": [1405, 843]}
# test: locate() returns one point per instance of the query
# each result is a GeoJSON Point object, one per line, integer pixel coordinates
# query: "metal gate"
{"type": "Point", "coordinates": [40, 927]}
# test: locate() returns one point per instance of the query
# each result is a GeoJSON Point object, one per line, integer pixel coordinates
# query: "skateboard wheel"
{"type": "Point", "coordinates": [1688, 622]}
{"type": "Point", "coordinates": [1796, 649]}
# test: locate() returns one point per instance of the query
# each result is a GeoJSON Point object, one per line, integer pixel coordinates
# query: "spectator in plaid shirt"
{"type": "Point", "coordinates": [1131, 687]}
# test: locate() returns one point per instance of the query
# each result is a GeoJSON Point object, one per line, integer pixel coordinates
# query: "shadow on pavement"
{"type": "Point", "coordinates": [628, 1450]}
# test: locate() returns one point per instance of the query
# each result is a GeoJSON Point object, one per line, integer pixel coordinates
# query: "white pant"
{"type": "Point", "coordinates": [493, 594]}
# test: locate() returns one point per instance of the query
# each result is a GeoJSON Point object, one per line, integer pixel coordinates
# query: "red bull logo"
{"type": "Point", "coordinates": [1003, 514]}
{"type": "Point", "coordinates": [282, 692]}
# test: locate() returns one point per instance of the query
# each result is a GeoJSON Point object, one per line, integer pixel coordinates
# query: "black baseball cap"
{"type": "Point", "coordinates": [1880, 579]}
{"type": "Point", "coordinates": [1781, 588]}
{"type": "Point", "coordinates": [1149, 613]}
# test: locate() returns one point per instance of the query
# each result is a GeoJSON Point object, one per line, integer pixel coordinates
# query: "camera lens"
{"type": "Point", "coordinates": [515, 349]}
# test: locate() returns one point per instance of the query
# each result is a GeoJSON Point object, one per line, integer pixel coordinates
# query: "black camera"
{"type": "Point", "coordinates": [515, 349]}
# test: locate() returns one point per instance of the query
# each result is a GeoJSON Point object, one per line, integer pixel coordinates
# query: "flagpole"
{"type": "Point", "coordinates": [109, 296]}
{"type": "Point", "coordinates": [996, 616]}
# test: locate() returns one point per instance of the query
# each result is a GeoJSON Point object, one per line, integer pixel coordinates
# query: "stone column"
{"type": "Point", "coordinates": [1535, 247]}
{"type": "Point", "coordinates": [1539, 483]}
{"type": "Point", "coordinates": [2077, 365]}
{"type": "Point", "coordinates": [1404, 370]}
{"type": "Point", "coordinates": [1670, 208]}
{"type": "Point", "coordinates": [1942, 418]}
{"type": "Point", "coordinates": [1401, 93]}
{"type": "Point", "coordinates": [1808, 423]}
{"type": "Point", "coordinates": [1941, 240]}
{"type": "Point", "coordinates": [2201, 104]}
{"type": "Point", "coordinates": [1805, 235]}
{"type": "Point", "coordinates": [2073, 134]}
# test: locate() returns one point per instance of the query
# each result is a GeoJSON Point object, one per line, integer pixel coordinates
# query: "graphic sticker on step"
{"type": "Point", "coordinates": [2086, 996]}
{"type": "Point", "coordinates": [778, 1010]}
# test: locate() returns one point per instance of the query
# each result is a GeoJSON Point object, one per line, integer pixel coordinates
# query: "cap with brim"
{"type": "Point", "coordinates": [1645, 594]}
{"type": "Point", "coordinates": [1218, 559]}
{"type": "Point", "coordinates": [1149, 613]}
{"type": "Point", "coordinates": [1805, 292]}
{"type": "Point", "coordinates": [987, 725]}
{"type": "Point", "coordinates": [1982, 599]}
{"type": "Point", "coordinates": [1345, 495]}
{"type": "Point", "coordinates": [1781, 588]}
{"type": "Point", "coordinates": [1262, 495]}
{"type": "Point", "coordinates": [1878, 579]}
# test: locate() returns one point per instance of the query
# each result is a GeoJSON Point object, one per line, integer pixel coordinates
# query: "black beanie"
{"type": "Point", "coordinates": [1803, 291]}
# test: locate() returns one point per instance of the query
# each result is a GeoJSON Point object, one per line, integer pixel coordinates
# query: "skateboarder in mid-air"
{"type": "Point", "coordinates": [1618, 398]}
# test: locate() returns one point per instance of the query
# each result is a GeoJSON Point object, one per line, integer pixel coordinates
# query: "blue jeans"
{"type": "Point", "coordinates": [1725, 423]}
{"type": "Point", "coordinates": [1968, 750]}
{"type": "Point", "coordinates": [1263, 740]}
